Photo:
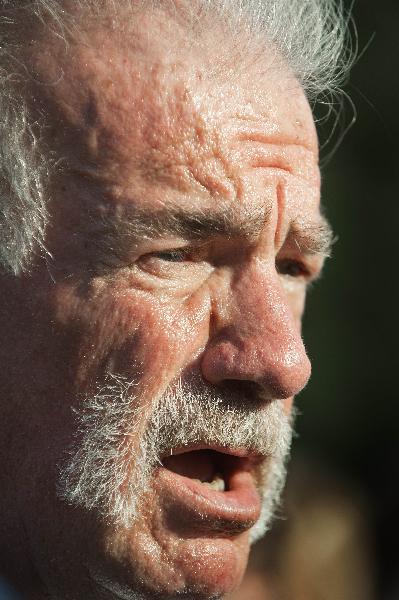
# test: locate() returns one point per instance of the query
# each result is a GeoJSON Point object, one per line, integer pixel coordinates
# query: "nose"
{"type": "Point", "coordinates": [256, 337]}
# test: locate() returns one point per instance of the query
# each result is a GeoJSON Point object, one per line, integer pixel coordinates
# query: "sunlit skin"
{"type": "Point", "coordinates": [140, 136]}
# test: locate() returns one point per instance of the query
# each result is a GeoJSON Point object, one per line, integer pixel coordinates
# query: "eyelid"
{"type": "Point", "coordinates": [189, 252]}
{"type": "Point", "coordinates": [287, 262]}
{"type": "Point", "coordinates": [307, 278]}
{"type": "Point", "coordinates": [191, 266]}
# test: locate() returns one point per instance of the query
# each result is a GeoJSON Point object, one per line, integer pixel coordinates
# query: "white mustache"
{"type": "Point", "coordinates": [108, 471]}
{"type": "Point", "coordinates": [193, 413]}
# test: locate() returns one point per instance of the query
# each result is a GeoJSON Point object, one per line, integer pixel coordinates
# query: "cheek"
{"type": "Point", "coordinates": [133, 333]}
{"type": "Point", "coordinates": [296, 296]}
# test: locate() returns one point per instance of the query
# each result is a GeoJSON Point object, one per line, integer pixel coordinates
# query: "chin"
{"type": "Point", "coordinates": [202, 569]}
{"type": "Point", "coordinates": [155, 559]}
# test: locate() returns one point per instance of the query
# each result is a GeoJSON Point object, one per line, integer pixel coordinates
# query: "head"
{"type": "Point", "coordinates": [161, 223]}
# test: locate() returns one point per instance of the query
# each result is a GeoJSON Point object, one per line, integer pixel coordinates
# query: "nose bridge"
{"type": "Point", "coordinates": [256, 338]}
{"type": "Point", "coordinates": [257, 308]}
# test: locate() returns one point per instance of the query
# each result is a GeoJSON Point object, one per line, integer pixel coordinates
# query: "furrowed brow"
{"type": "Point", "coordinates": [313, 238]}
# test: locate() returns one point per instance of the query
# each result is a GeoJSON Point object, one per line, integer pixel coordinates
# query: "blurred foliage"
{"type": "Point", "coordinates": [350, 408]}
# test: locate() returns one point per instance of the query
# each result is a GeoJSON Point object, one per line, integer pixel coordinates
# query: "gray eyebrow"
{"type": "Point", "coordinates": [115, 235]}
{"type": "Point", "coordinates": [194, 225]}
{"type": "Point", "coordinates": [313, 238]}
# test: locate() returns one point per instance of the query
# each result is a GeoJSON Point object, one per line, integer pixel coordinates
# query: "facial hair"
{"type": "Point", "coordinates": [116, 449]}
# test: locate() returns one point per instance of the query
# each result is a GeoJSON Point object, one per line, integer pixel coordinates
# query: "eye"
{"type": "Point", "coordinates": [292, 268]}
{"type": "Point", "coordinates": [186, 263]}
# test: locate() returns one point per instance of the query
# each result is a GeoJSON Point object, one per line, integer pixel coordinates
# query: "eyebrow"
{"type": "Point", "coordinates": [312, 238]}
{"type": "Point", "coordinates": [194, 225]}
{"type": "Point", "coordinates": [117, 233]}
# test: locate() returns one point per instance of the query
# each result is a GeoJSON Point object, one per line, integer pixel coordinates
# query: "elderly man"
{"type": "Point", "coordinates": [160, 225]}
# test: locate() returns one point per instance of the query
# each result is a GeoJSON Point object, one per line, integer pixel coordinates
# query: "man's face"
{"type": "Point", "coordinates": [184, 230]}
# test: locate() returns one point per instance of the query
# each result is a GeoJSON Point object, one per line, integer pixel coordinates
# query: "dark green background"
{"type": "Point", "coordinates": [350, 409]}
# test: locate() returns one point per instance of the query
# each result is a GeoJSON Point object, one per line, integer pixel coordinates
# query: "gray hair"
{"type": "Point", "coordinates": [310, 35]}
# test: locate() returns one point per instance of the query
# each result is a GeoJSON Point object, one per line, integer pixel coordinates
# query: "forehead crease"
{"type": "Point", "coordinates": [149, 123]}
{"type": "Point", "coordinates": [159, 132]}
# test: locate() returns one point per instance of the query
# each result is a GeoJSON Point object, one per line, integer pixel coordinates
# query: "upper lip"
{"type": "Point", "coordinates": [255, 457]}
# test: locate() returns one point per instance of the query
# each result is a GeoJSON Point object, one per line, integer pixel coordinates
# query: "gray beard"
{"type": "Point", "coordinates": [110, 464]}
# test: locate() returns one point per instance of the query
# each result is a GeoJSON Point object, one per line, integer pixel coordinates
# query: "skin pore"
{"type": "Point", "coordinates": [185, 228]}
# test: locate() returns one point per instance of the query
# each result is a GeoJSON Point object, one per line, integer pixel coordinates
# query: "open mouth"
{"type": "Point", "coordinates": [216, 488]}
{"type": "Point", "coordinates": [211, 468]}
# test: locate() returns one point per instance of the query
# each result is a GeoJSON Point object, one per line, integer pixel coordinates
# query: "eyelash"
{"type": "Point", "coordinates": [172, 255]}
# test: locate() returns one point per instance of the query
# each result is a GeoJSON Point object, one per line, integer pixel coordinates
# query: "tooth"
{"type": "Point", "coordinates": [217, 484]}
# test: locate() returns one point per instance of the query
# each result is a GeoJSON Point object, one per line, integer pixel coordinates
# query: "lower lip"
{"type": "Point", "coordinates": [197, 506]}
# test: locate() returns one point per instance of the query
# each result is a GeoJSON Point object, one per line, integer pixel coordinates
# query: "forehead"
{"type": "Point", "coordinates": [134, 114]}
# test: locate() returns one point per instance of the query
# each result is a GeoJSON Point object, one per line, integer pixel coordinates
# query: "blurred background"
{"type": "Point", "coordinates": [338, 535]}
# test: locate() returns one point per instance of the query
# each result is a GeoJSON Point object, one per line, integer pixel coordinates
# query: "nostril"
{"type": "Point", "coordinates": [242, 390]}
{"type": "Point", "coordinates": [219, 362]}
